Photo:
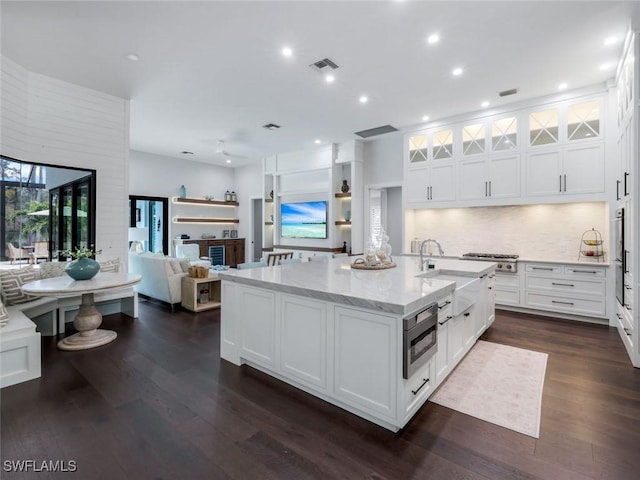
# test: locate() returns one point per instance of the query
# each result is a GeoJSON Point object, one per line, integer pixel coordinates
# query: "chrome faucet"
{"type": "Point", "coordinates": [422, 261]}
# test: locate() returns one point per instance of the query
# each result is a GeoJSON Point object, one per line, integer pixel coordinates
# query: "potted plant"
{"type": "Point", "coordinates": [84, 266]}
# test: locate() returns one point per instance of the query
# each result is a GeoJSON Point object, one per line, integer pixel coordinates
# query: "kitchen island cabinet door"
{"type": "Point", "coordinates": [366, 360]}
{"type": "Point", "coordinates": [257, 314]}
{"type": "Point", "coordinates": [456, 338]}
{"type": "Point", "coordinates": [444, 355]}
{"type": "Point", "coordinates": [469, 335]}
{"type": "Point", "coordinates": [303, 340]}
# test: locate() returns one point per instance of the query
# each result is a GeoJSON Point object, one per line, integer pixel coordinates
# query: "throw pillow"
{"type": "Point", "coordinates": [12, 280]}
{"type": "Point", "coordinates": [185, 264]}
{"type": "Point", "coordinates": [4, 315]}
{"type": "Point", "coordinates": [175, 265]}
{"type": "Point", "coordinates": [52, 269]}
{"type": "Point", "coordinates": [110, 265]}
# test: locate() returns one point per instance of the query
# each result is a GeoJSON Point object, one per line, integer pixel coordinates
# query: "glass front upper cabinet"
{"type": "Point", "coordinates": [473, 139]}
{"type": "Point", "coordinates": [443, 144]}
{"type": "Point", "coordinates": [504, 134]}
{"type": "Point", "coordinates": [543, 127]}
{"type": "Point", "coordinates": [583, 120]}
{"type": "Point", "coordinates": [418, 148]}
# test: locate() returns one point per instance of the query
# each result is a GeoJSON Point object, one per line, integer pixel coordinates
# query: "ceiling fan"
{"type": "Point", "coordinates": [221, 151]}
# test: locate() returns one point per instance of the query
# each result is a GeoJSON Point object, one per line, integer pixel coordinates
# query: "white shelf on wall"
{"type": "Point", "coordinates": [204, 220]}
{"type": "Point", "coordinates": [203, 202]}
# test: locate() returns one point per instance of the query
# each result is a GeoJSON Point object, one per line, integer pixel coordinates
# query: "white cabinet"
{"type": "Point", "coordinates": [366, 361]}
{"type": "Point", "coordinates": [418, 388]}
{"type": "Point", "coordinates": [490, 178]}
{"type": "Point", "coordinates": [456, 338]}
{"type": "Point", "coordinates": [572, 170]}
{"type": "Point", "coordinates": [435, 183]}
{"type": "Point", "coordinates": [573, 289]}
{"type": "Point", "coordinates": [444, 356]}
{"type": "Point", "coordinates": [507, 289]}
{"type": "Point", "coordinates": [469, 333]}
{"type": "Point", "coordinates": [491, 300]}
{"type": "Point", "coordinates": [258, 324]}
{"type": "Point", "coordinates": [303, 340]}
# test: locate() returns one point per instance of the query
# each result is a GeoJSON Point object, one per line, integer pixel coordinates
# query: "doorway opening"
{"type": "Point", "coordinates": [151, 213]}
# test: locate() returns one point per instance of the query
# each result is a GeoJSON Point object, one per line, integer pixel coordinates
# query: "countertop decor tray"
{"type": "Point", "coordinates": [380, 266]}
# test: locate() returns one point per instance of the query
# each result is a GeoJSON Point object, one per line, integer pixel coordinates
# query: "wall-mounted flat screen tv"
{"type": "Point", "coordinates": [303, 220]}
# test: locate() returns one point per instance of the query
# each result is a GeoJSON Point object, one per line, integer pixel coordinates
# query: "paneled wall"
{"type": "Point", "coordinates": [45, 120]}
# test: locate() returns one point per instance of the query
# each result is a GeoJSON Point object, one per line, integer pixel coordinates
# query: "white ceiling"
{"type": "Point", "coordinates": [213, 70]}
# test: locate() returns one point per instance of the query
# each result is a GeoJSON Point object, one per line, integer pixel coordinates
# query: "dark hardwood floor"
{"type": "Point", "coordinates": [160, 404]}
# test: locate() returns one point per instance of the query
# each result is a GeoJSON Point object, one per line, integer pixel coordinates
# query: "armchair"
{"type": "Point", "coordinates": [191, 252]}
{"type": "Point", "coordinates": [41, 250]}
{"type": "Point", "coordinates": [17, 253]}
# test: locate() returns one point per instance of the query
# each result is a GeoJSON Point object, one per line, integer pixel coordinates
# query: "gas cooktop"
{"type": "Point", "coordinates": [506, 262]}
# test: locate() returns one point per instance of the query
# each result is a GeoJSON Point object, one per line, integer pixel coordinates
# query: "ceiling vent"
{"type": "Point", "coordinates": [372, 132]}
{"type": "Point", "coordinates": [271, 126]}
{"type": "Point", "coordinates": [506, 93]}
{"type": "Point", "coordinates": [324, 65]}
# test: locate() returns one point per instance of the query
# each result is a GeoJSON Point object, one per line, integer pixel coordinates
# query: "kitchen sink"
{"type": "Point", "coordinates": [467, 290]}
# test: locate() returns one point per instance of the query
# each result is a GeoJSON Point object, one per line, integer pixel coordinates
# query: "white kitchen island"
{"type": "Point", "coordinates": [337, 332]}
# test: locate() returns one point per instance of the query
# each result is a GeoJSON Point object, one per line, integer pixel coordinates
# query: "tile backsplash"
{"type": "Point", "coordinates": [535, 232]}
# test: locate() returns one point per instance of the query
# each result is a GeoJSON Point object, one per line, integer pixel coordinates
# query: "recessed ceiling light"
{"type": "Point", "coordinates": [562, 86]}
{"type": "Point", "coordinates": [484, 104]}
{"type": "Point", "coordinates": [317, 142]}
{"type": "Point", "coordinates": [457, 71]}
{"type": "Point", "coordinates": [605, 66]}
{"type": "Point", "coordinates": [434, 38]}
{"type": "Point", "coordinates": [228, 160]}
{"type": "Point", "coordinates": [364, 99]}
{"type": "Point", "coordinates": [133, 57]}
{"type": "Point", "coordinates": [329, 78]}
{"type": "Point", "coordinates": [287, 52]}
{"type": "Point", "coordinates": [425, 118]}
{"type": "Point", "coordinates": [610, 41]}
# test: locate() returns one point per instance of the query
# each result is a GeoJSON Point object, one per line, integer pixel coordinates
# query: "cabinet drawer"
{"type": "Point", "coordinates": [419, 386]}
{"type": "Point", "coordinates": [507, 280]}
{"type": "Point", "coordinates": [507, 297]}
{"type": "Point", "coordinates": [578, 306]}
{"type": "Point", "coordinates": [444, 309]}
{"type": "Point", "coordinates": [585, 272]}
{"type": "Point", "coordinates": [565, 286]}
{"type": "Point", "coordinates": [546, 268]}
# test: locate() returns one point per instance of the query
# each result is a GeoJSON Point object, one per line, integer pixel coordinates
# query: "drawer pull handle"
{"type": "Point", "coordinates": [563, 284]}
{"type": "Point", "coordinates": [542, 268]}
{"type": "Point", "coordinates": [563, 303]}
{"type": "Point", "coordinates": [440, 307]}
{"type": "Point", "coordinates": [585, 271]}
{"type": "Point", "coordinates": [449, 317]}
{"type": "Point", "coordinates": [492, 276]}
{"type": "Point", "coordinates": [483, 276]}
{"type": "Point", "coordinates": [466, 314]}
{"type": "Point", "coordinates": [424, 382]}
{"type": "Point", "coordinates": [626, 330]}
{"type": "Point", "coordinates": [490, 288]}
{"type": "Point", "coordinates": [619, 316]}
{"type": "Point", "coordinates": [627, 287]}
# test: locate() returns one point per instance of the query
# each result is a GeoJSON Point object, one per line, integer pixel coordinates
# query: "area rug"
{"type": "Point", "coordinates": [499, 384]}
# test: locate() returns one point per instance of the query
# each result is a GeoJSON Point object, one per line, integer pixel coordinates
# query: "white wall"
{"type": "Point", "coordinates": [44, 120]}
{"type": "Point", "coordinates": [248, 184]}
{"type": "Point", "coordinates": [160, 176]}
{"type": "Point", "coordinates": [383, 159]}
{"type": "Point", "coordinates": [535, 232]}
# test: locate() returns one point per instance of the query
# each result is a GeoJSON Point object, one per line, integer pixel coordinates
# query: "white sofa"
{"type": "Point", "coordinates": [161, 276]}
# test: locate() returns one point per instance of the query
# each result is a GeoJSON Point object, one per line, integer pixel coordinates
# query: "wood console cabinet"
{"type": "Point", "coordinates": [233, 249]}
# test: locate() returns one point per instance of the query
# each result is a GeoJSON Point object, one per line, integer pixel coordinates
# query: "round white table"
{"type": "Point", "coordinates": [88, 318]}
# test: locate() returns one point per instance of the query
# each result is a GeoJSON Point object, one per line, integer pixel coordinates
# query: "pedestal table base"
{"type": "Point", "coordinates": [86, 323]}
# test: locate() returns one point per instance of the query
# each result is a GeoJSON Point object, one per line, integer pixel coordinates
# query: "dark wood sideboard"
{"type": "Point", "coordinates": [233, 249]}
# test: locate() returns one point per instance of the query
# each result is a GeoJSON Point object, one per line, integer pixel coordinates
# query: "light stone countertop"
{"type": "Point", "coordinates": [563, 261]}
{"type": "Point", "coordinates": [395, 290]}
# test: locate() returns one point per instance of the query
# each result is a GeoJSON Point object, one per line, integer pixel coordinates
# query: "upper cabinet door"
{"type": "Point", "coordinates": [418, 149]}
{"type": "Point", "coordinates": [443, 182]}
{"type": "Point", "coordinates": [443, 144]}
{"type": "Point", "coordinates": [417, 185]}
{"type": "Point", "coordinates": [504, 176]}
{"type": "Point", "coordinates": [504, 134]}
{"type": "Point", "coordinates": [474, 181]}
{"type": "Point", "coordinates": [544, 173]}
{"type": "Point", "coordinates": [544, 127]}
{"type": "Point", "coordinates": [583, 120]}
{"type": "Point", "coordinates": [584, 169]}
{"type": "Point", "coordinates": [473, 139]}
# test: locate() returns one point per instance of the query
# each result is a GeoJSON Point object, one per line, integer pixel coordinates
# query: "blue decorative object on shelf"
{"type": "Point", "coordinates": [82, 269]}
{"type": "Point", "coordinates": [183, 191]}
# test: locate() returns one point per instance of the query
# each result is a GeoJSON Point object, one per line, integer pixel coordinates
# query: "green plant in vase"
{"type": "Point", "coordinates": [84, 266]}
